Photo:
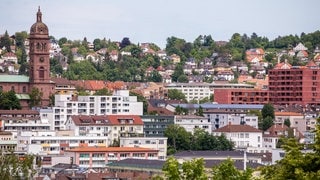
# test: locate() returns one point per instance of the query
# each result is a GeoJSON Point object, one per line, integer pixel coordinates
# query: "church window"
{"type": "Point", "coordinates": [1, 88]}
{"type": "Point", "coordinates": [12, 88]}
{"type": "Point", "coordinates": [41, 72]}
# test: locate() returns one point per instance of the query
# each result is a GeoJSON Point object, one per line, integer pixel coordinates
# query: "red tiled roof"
{"type": "Point", "coordinates": [112, 149]}
{"type": "Point", "coordinates": [96, 85]}
{"type": "Point", "coordinates": [237, 128]}
{"type": "Point", "coordinates": [287, 114]}
{"type": "Point", "coordinates": [20, 112]}
{"type": "Point", "coordinates": [61, 81]}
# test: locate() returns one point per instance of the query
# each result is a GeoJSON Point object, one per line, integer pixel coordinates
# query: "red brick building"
{"type": "Point", "coordinates": [39, 67]}
{"type": "Point", "coordinates": [241, 96]}
{"type": "Point", "coordinates": [290, 85]}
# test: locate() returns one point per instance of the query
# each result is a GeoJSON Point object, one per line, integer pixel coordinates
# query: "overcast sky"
{"type": "Point", "coordinates": [156, 20]}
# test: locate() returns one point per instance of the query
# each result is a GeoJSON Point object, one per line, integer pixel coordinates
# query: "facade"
{"type": "Point", "coordinates": [192, 91]}
{"type": "Point", "coordinates": [7, 142]}
{"type": "Point", "coordinates": [120, 103]}
{"type": "Point", "coordinates": [111, 127]}
{"type": "Point", "coordinates": [55, 142]}
{"type": "Point", "coordinates": [154, 126]}
{"type": "Point", "coordinates": [191, 122]}
{"type": "Point", "coordinates": [243, 136]}
{"type": "Point", "coordinates": [97, 158]}
{"type": "Point", "coordinates": [157, 143]}
{"type": "Point", "coordinates": [39, 67]}
{"type": "Point", "coordinates": [294, 85]}
{"type": "Point", "coordinates": [241, 96]}
{"type": "Point", "coordinates": [297, 120]}
{"type": "Point", "coordinates": [220, 118]}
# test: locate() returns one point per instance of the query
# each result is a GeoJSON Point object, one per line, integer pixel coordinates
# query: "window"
{"type": "Point", "coordinates": [247, 135]}
{"type": "Point", "coordinates": [24, 89]}
{"type": "Point", "coordinates": [41, 72]}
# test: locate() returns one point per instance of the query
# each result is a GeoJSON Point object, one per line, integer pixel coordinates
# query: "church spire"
{"type": "Point", "coordinates": [39, 15]}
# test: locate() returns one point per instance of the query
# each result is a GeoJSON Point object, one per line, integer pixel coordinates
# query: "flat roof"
{"type": "Point", "coordinates": [14, 78]}
{"type": "Point", "coordinates": [219, 106]}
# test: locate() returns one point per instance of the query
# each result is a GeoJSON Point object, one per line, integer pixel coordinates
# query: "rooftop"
{"type": "Point", "coordinates": [237, 128]}
{"type": "Point", "coordinates": [14, 78]}
{"type": "Point", "coordinates": [112, 149]}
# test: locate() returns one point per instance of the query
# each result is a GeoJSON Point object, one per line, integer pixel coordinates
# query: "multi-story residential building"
{"type": "Point", "coordinates": [157, 143]}
{"type": "Point", "coordinates": [154, 126]}
{"type": "Point", "coordinates": [7, 142]}
{"type": "Point", "coordinates": [243, 136]}
{"type": "Point", "coordinates": [241, 96]}
{"type": "Point", "coordinates": [192, 91]}
{"type": "Point", "coordinates": [272, 135]}
{"type": "Point", "coordinates": [121, 103]}
{"type": "Point", "coordinates": [191, 122]}
{"type": "Point", "coordinates": [207, 107]}
{"type": "Point", "coordinates": [197, 91]}
{"type": "Point", "coordinates": [97, 158]}
{"type": "Point", "coordinates": [112, 127]}
{"type": "Point", "coordinates": [55, 142]}
{"type": "Point", "coordinates": [221, 118]}
{"type": "Point", "coordinates": [297, 120]}
{"type": "Point", "coordinates": [294, 85]}
{"type": "Point", "coordinates": [17, 121]}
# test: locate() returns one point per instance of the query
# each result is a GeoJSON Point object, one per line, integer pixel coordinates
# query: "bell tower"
{"type": "Point", "coordinates": [39, 63]}
{"type": "Point", "coordinates": [39, 70]}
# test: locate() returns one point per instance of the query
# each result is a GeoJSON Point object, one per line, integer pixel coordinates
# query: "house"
{"type": "Point", "coordinates": [155, 125]}
{"type": "Point", "coordinates": [64, 86]}
{"type": "Point", "coordinates": [303, 55]}
{"type": "Point", "coordinates": [7, 141]}
{"type": "Point", "coordinates": [93, 57]}
{"type": "Point", "coordinates": [272, 135]}
{"type": "Point", "coordinates": [98, 157]}
{"type": "Point", "coordinates": [300, 47]}
{"type": "Point", "coordinates": [225, 75]}
{"type": "Point", "coordinates": [243, 136]}
{"type": "Point", "coordinates": [114, 55]}
{"type": "Point", "coordinates": [175, 58]}
{"type": "Point", "coordinates": [255, 55]}
{"type": "Point", "coordinates": [9, 57]}
{"type": "Point", "coordinates": [161, 54]}
{"type": "Point", "coordinates": [297, 120]}
{"type": "Point", "coordinates": [192, 122]}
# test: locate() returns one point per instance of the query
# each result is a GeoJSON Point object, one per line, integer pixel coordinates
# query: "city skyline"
{"type": "Point", "coordinates": [143, 21]}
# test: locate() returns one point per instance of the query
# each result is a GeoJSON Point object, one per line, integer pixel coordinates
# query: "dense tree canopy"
{"type": "Point", "coordinates": [9, 101]}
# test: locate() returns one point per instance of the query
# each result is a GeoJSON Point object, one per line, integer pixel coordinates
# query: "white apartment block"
{"type": "Point", "coordinates": [15, 125]}
{"type": "Point", "coordinates": [121, 103]}
{"type": "Point", "coordinates": [243, 136]}
{"type": "Point", "coordinates": [221, 119]}
{"type": "Point", "coordinates": [192, 91]}
{"type": "Point", "coordinates": [192, 122]}
{"type": "Point", "coordinates": [157, 143]}
{"type": "Point", "coordinates": [111, 127]}
{"type": "Point", "coordinates": [55, 143]}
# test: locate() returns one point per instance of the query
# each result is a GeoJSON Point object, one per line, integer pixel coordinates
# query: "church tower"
{"type": "Point", "coordinates": [39, 64]}
{"type": "Point", "coordinates": [39, 70]}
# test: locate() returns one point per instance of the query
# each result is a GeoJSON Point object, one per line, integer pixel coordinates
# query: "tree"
{"type": "Point", "coordinates": [296, 165]}
{"type": "Point", "coordinates": [155, 76]}
{"type": "Point", "coordinates": [9, 100]}
{"type": "Point", "coordinates": [267, 110]}
{"type": "Point", "coordinates": [227, 170]}
{"type": "Point", "coordinates": [178, 138]}
{"type": "Point", "coordinates": [175, 94]}
{"type": "Point", "coordinates": [178, 71]}
{"type": "Point", "coordinates": [266, 123]}
{"type": "Point", "coordinates": [171, 169]}
{"type": "Point", "coordinates": [287, 122]}
{"type": "Point", "coordinates": [14, 167]}
{"type": "Point", "coordinates": [194, 169]}
{"type": "Point", "coordinates": [183, 78]}
{"type": "Point", "coordinates": [180, 111]}
{"type": "Point", "coordinates": [125, 42]}
{"type": "Point", "coordinates": [5, 42]}
{"type": "Point", "coordinates": [35, 97]}
{"type": "Point", "coordinates": [199, 111]}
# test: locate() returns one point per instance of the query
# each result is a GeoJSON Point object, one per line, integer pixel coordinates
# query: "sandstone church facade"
{"type": "Point", "coordinates": [39, 68]}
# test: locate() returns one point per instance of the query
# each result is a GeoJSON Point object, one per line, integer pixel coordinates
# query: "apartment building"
{"type": "Point", "coordinates": [111, 127]}
{"type": "Point", "coordinates": [16, 121]}
{"type": "Point", "coordinates": [243, 136]}
{"type": "Point", "coordinates": [221, 118]}
{"type": "Point", "coordinates": [55, 142]}
{"type": "Point", "coordinates": [294, 85]}
{"type": "Point", "coordinates": [191, 122]}
{"type": "Point", "coordinates": [154, 126]}
{"type": "Point", "coordinates": [157, 143]}
{"type": "Point", "coordinates": [98, 157]}
{"type": "Point", "coordinates": [241, 96]}
{"type": "Point", "coordinates": [120, 103]}
{"type": "Point", "coordinates": [7, 142]}
{"type": "Point", "coordinates": [192, 91]}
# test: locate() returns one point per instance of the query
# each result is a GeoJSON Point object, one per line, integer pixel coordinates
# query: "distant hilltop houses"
{"type": "Point", "coordinates": [118, 110]}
